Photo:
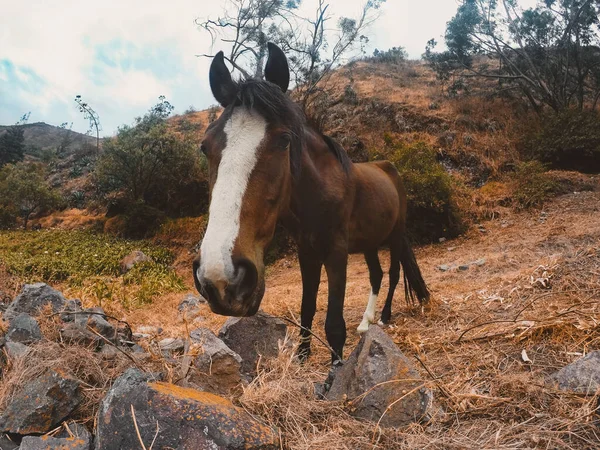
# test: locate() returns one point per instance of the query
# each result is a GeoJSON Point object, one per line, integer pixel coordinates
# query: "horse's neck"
{"type": "Point", "coordinates": [314, 187]}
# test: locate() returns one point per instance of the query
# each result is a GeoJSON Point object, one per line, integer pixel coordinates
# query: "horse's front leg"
{"type": "Point", "coordinates": [310, 268]}
{"type": "Point", "coordinates": [335, 326]}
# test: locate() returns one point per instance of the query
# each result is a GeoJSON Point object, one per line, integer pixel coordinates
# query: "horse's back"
{"type": "Point", "coordinates": [379, 204]}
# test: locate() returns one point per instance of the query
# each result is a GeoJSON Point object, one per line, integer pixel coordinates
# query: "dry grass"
{"type": "Point", "coordinates": [72, 219]}
{"type": "Point", "coordinates": [539, 291]}
{"type": "Point", "coordinates": [95, 374]}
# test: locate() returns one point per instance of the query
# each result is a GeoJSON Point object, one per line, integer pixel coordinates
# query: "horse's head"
{"type": "Point", "coordinates": [250, 151]}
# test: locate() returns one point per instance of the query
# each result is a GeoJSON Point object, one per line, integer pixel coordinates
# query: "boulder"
{"type": "Point", "coordinates": [75, 430]}
{"type": "Point", "coordinates": [95, 318]}
{"type": "Point", "coordinates": [170, 346]}
{"type": "Point", "coordinates": [74, 334]}
{"type": "Point", "coordinates": [70, 310]}
{"type": "Point", "coordinates": [7, 444]}
{"type": "Point", "coordinates": [582, 376]}
{"type": "Point", "coordinates": [41, 404]}
{"type": "Point", "coordinates": [185, 419]}
{"type": "Point", "coordinates": [131, 260]}
{"type": "Point", "coordinates": [51, 443]}
{"type": "Point", "coordinates": [33, 298]}
{"type": "Point", "coordinates": [23, 329]}
{"type": "Point", "coordinates": [381, 383]}
{"type": "Point", "coordinates": [215, 367]}
{"type": "Point", "coordinates": [253, 337]}
{"type": "Point", "coordinates": [16, 349]}
{"type": "Point", "coordinates": [190, 303]}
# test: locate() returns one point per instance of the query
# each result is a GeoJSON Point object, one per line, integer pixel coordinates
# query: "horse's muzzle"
{"type": "Point", "coordinates": [239, 296]}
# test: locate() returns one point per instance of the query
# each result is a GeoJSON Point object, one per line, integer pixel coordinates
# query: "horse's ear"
{"type": "Point", "coordinates": [277, 70]}
{"type": "Point", "coordinates": [222, 86]}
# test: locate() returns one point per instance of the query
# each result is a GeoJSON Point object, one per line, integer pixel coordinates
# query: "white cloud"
{"type": "Point", "coordinates": [57, 41]}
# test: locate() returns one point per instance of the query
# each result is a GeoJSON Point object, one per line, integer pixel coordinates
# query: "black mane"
{"type": "Point", "coordinates": [280, 110]}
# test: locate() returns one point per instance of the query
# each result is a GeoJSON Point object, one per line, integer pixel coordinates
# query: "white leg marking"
{"type": "Point", "coordinates": [245, 131]}
{"type": "Point", "coordinates": [369, 315]}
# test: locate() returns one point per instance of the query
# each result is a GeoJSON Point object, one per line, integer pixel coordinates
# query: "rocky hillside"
{"type": "Point", "coordinates": [42, 136]}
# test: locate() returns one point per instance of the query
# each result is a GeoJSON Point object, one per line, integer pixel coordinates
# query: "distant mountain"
{"type": "Point", "coordinates": [40, 136]}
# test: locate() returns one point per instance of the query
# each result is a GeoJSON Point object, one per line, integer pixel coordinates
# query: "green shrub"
{"type": "Point", "coordinates": [569, 140]}
{"type": "Point", "coordinates": [532, 185]}
{"type": "Point", "coordinates": [432, 208]}
{"type": "Point", "coordinates": [142, 221]}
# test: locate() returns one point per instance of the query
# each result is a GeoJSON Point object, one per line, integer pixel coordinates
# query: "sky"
{"type": "Point", "coordinates": [121, 55]}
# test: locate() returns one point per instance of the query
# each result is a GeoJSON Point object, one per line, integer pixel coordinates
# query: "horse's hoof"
{"type": "Point", "coordinates": [385, 317]}
{"type": "Point", "coordinates": [363, 327]}
{"type": "Point", "coordinates": [303, 354]}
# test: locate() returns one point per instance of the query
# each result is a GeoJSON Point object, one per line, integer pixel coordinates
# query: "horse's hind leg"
{"type": "Point", "coordinates": [375, 276]}
{"type": "Point", "coordinates": [386, 314]}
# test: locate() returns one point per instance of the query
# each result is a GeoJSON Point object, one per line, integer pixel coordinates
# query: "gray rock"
{"type": "Point", "coordinates": [171, 346]}
{"type": "Point", "coordinates": [7, 444]}
{"type": "Point", "coordinates": [108, 352]}
{"type": "Point", "coordinates": [41, 404]}
{"type": "Point", "coordinates": [71, 308]}
{"type": "Point", "coordinates": [190, 303]}
{"type": "Point", "coordinates": [216, 368]}
{"type": "Point", "coordinates": [78, 431]}
{"type": "Point", "coordinates": [253, 337]}
{"type": "Point", "coordinates": [131, 260]}
{"type": "Point", "coordinates": [23, 329]}
{"type": "Point", "coordinates": [479, 262]}
{"type": "Point", "coordinates": [463, 267]}
{"type": "Point", "coordinates": [582, 376]}
{"type": "Point", "coordinates": [52, 443]}
{"type": "Point", "coordinates": [445, 267]}
{"type": "Point", "coordinates": [16, 349]}
{"type": "Point", "coordinates": [140, 336]}
{"type": "Point", "coordinates": [150, 330]}
{"type": "Point", "coordinates": [366, 377]}
{"type": "Point", "coordinates": [74, 334]}
{"type": "Point", "coordinates": [186, 418]}
{"type": "Point", "coordinates": [95, 318]}
{"type": "Point", "coordinates": [33, 298]}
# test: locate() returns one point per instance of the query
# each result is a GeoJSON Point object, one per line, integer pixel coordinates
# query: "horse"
{"type": "Point", "coordinates": [266, 166]}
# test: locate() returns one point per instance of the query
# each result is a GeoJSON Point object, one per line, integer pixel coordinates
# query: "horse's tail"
{"type": "Point", "coordinates": [414, 285]}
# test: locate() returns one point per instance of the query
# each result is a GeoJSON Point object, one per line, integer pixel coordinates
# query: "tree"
{"type": "Point", "coordinates": [248, 25]}
{"type": "Point", "coordinates": [23, 189]}
{"type": "Point", "coordinates": [149, 162]}
{"type": "Point", "coordinates": [92, 116]}
{"type": "Point", "coordinates": [12, 145]}
{"type": "Point", "coordinates": [12, 142]}
{"type": "Point", "coordinates": [66, 138]}
{"type": "Point", "coordinates": [549, 53]}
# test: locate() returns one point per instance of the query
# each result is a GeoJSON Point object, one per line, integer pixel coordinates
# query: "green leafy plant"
{"type": "Point", "coordinates": [432, 207]}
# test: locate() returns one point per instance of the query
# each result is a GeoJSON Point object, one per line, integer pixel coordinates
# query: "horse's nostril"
{"type": "Point", "coordinates": [211, 291]}
{"type": "Point", "coordinates": [246, 278]}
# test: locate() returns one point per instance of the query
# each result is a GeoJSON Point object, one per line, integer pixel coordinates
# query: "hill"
{"type": "Point", "coordinates": [42, 136]}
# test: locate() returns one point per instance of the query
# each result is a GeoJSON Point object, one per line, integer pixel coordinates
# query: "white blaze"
{"type": "Point", "coordinates": [244, 131]}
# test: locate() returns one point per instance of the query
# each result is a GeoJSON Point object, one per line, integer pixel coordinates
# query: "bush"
{"type": "Point", "coordinates": [90, 262]}
{"type": "Point", "coordinates": [150, 163]}
{"type": "Point", "coordinates": [432, 208]}
{"type": "Point", "coordinates": [394, 55]}
{"type": "Point", "coordinates": [139, 221]}
{"type": "Point", "coordinates": [532, 185]}
{"type": "Point", "coordinates": [23, 188]}
{"type": "Point", "coordinates": [568, 140]}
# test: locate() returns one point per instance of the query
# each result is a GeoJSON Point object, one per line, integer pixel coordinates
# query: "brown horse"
{"type": "Point", "coordinates": [267, 165]}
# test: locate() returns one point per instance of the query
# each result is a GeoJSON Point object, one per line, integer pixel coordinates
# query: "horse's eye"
{"type": "Point", "coordinates": [283, 142]}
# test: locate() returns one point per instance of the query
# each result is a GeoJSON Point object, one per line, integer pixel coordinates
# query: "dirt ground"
{"type": "Point", "coordinates": [492, 336]}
